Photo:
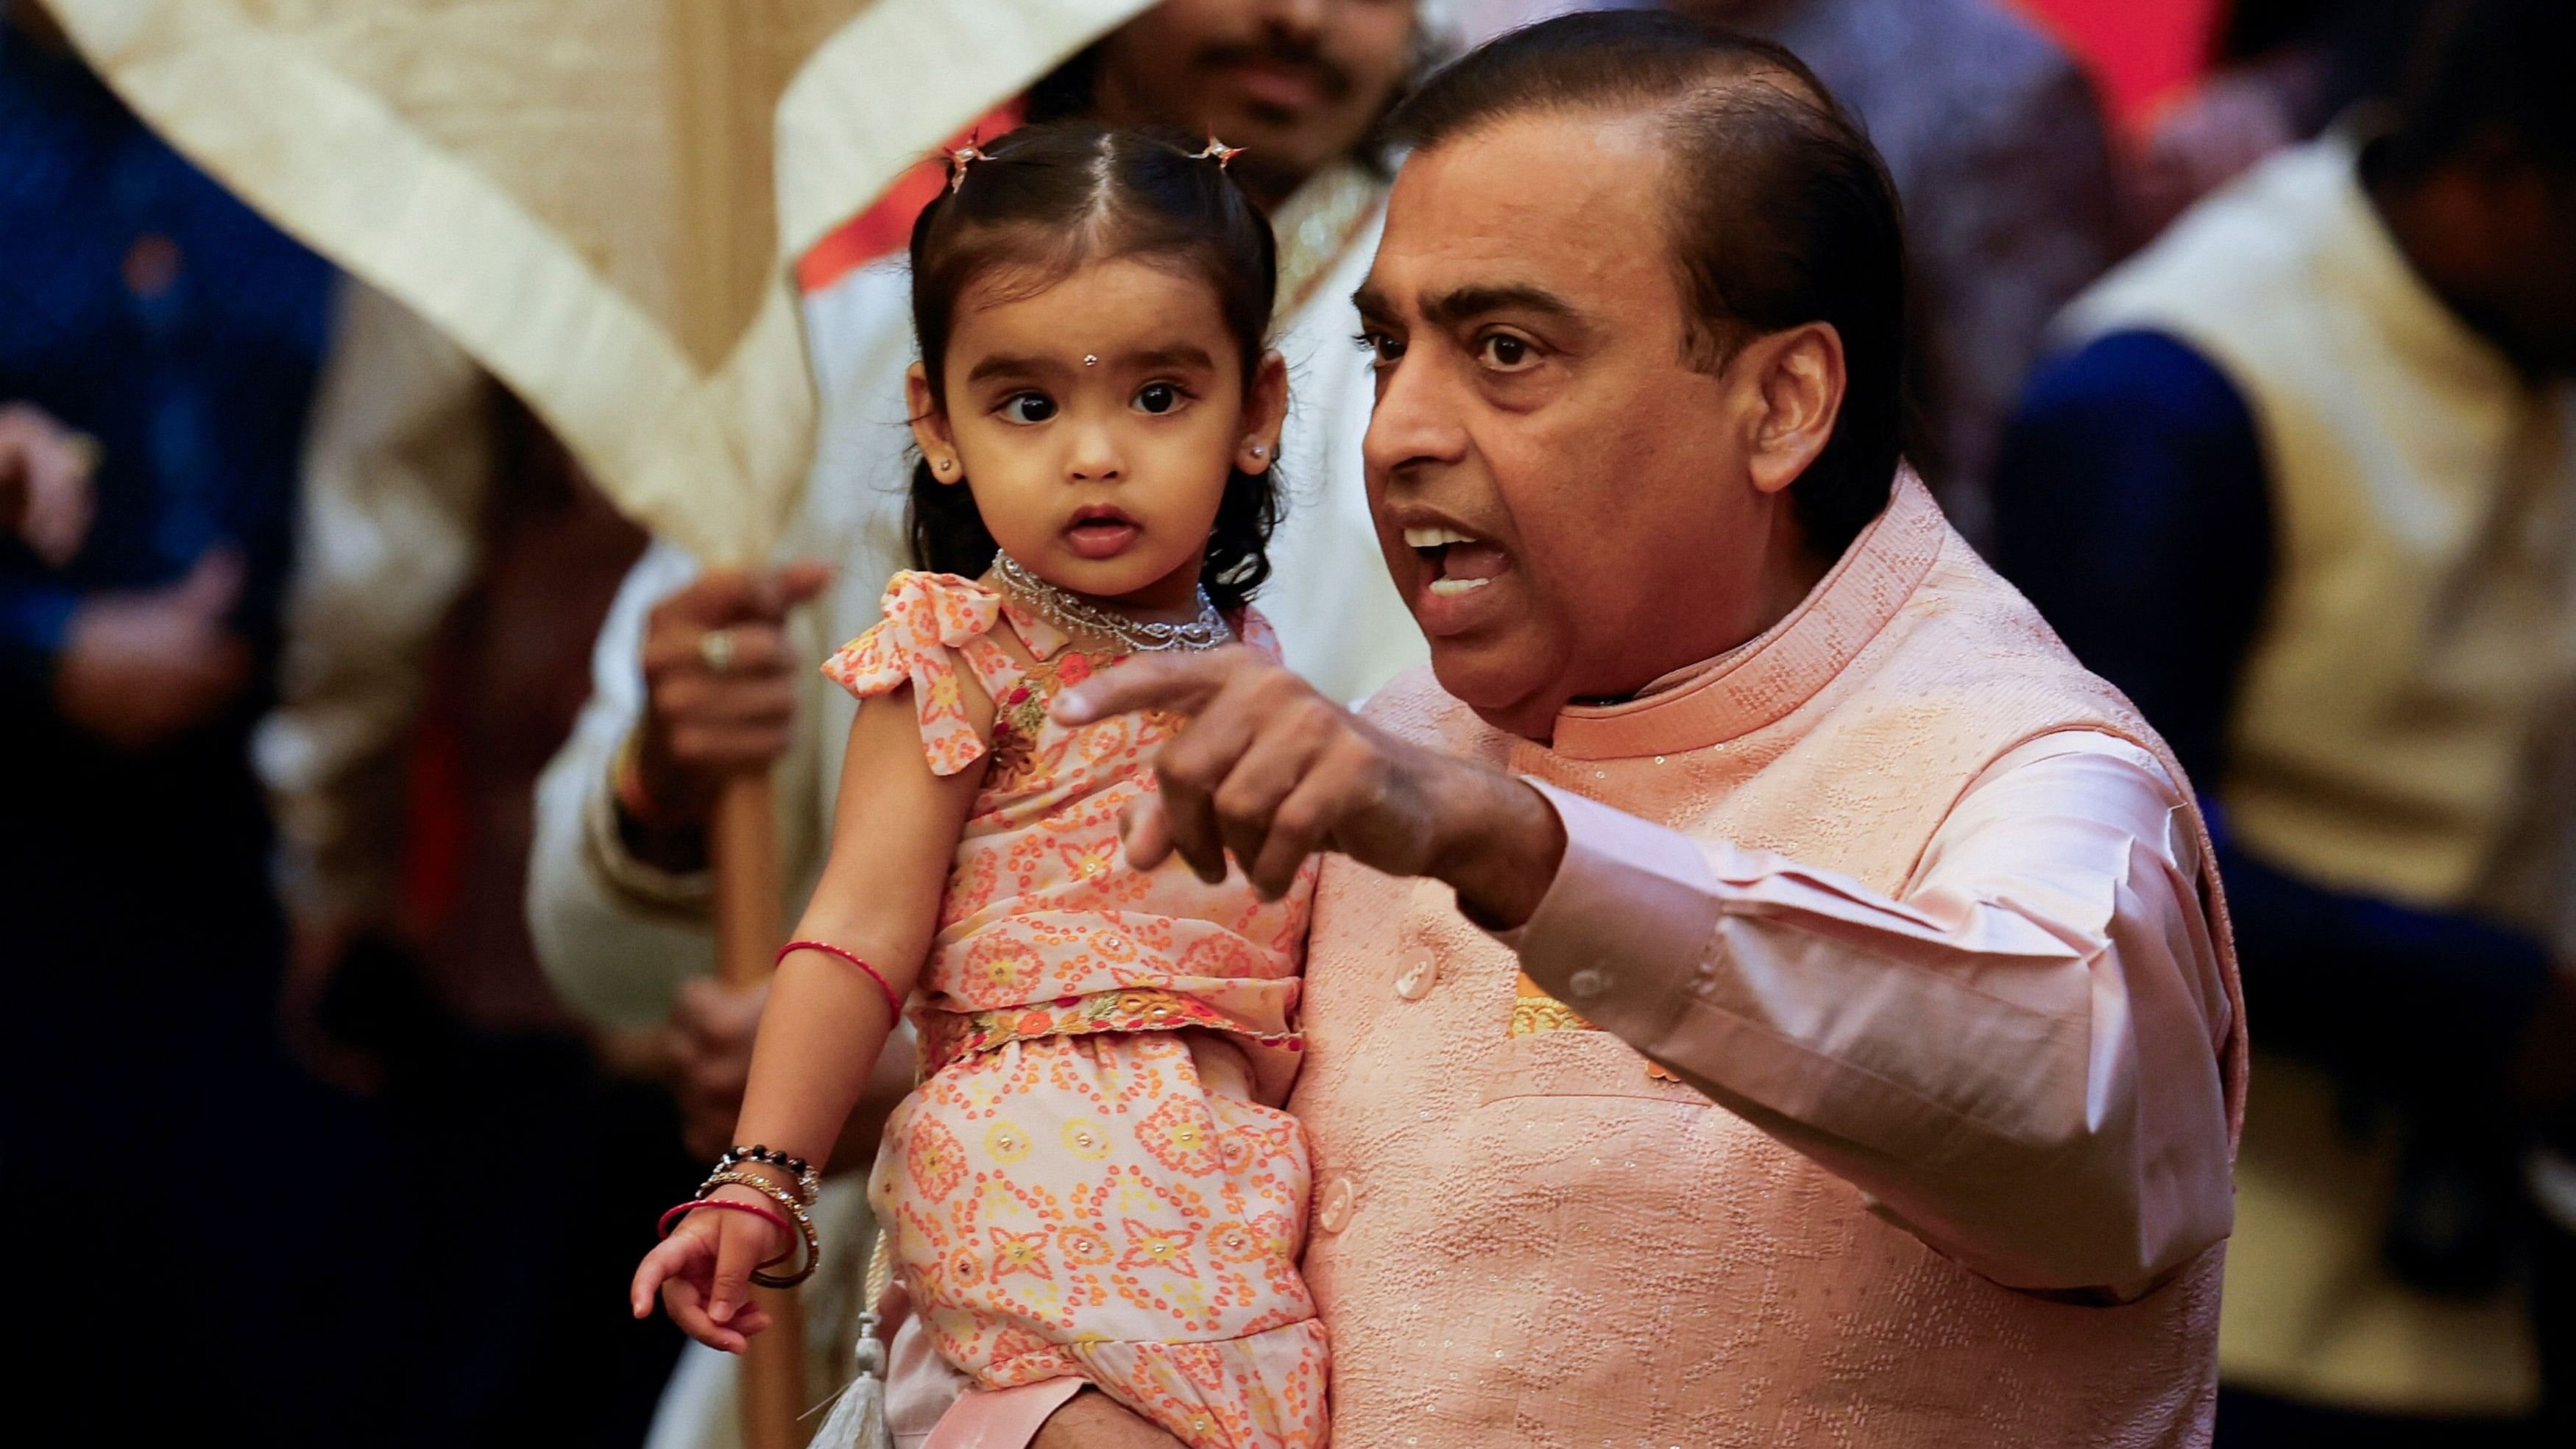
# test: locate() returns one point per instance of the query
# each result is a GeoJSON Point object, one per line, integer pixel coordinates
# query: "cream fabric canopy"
{"type": "Point", "coordinates": [596, 198]}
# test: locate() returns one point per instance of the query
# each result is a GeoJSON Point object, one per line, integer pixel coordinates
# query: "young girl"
{"type": "Point", "coordinates": [1093, 1179]}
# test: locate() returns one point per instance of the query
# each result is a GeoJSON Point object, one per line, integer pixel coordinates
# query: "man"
{"type": "Point", "coordinates": [1995, 140]}
{"type": "Point", "coordinates": [2326, 538]}
{"type": "Point", "coordinates": [1763, 991]}
{"type": "Point", "coordinates": [617, 890]}
{"type": "Point", "coordinates": [158, 344]}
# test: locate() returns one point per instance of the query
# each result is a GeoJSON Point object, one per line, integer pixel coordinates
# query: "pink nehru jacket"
{"type": "Point", "coordinates": [1919, 911]}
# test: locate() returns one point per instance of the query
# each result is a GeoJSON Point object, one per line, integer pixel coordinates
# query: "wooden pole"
{"type": "Point", "coordinates": [743, 850]}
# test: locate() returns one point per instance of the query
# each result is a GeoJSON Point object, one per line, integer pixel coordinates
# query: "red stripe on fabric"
{"type": "Point", "coordinates": [886, 227]}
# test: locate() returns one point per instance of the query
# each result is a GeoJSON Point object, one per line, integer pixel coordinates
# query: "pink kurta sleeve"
{"type": "Point", "coordinates": [2017, 1058]}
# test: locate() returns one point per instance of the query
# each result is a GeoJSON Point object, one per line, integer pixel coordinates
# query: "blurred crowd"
{"type": "Point", "coordinates": [2261, 393]}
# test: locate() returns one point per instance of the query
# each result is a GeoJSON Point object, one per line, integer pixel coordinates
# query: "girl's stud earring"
{"type": "Point", "coordinates": [1091, 359]}
{"type": "Point", "coordinates": [945, 464]}
{"type": "Point", "coordinates": [1260, 451]}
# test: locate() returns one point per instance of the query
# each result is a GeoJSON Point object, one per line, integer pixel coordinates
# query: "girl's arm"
{"type": "Point", "coordinates": [894, 833]}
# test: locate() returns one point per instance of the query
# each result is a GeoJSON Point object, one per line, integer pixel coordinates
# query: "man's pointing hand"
{"type": "Point", "coordinates": [1270, 772]}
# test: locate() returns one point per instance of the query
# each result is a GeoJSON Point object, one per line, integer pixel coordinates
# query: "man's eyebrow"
{"type": "Point", "coordinates": [1448, 309]}
{"type": "Point", "coordinates": [1371, 302]}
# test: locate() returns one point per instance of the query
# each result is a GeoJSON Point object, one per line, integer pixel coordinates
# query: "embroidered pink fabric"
{"type": "Point", "coordinates": [1094, 1181]}
{"type": "Point", "coordinates": [1919, 910]}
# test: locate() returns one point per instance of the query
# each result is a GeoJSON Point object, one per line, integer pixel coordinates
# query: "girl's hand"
{"type": "Point", "coordinates": [703, 1272]}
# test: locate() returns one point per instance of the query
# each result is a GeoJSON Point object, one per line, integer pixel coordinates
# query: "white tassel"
{"type": "Point", "coordinates": [858, 1421]}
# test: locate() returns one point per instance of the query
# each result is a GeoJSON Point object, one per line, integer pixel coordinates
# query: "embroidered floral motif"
{"type": "Point", "coordinates": [1084, 1247]}
{"type": "Point", "coordinates": [1020, 718]}
{"type": "Point", "coordinates": [1232, 1242]}
{"type": "Point", "coordinates": [1085, 1139]}
{"type": "Point", "coordinates": [936, 1160]}
{"type": "Point", "coordinates": [1006, 1143]}
{"type": "Point", "coordinates": [1181, 1136]}
{"type": "Point", "coordinates": [1019, 1253]}
{"type": "Point", "coordinates": [1168, 1250]}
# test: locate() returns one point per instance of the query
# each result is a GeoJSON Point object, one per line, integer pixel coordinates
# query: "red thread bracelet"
{"type": "Point", "coordinates": [894, 1003]}
{"type": "Point", "coordinates": [663, 1228]}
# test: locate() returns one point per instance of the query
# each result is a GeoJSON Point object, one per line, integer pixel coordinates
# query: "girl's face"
{"type": "Point", "coordinates": [1097, 421]}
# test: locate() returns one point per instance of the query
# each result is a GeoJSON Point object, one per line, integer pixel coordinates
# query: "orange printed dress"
{"type": "Point", "coordinates": [1094, 1178]}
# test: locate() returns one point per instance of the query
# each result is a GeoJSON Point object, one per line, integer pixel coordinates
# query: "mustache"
{"type": "Point", "coordinates": [1280, 54]}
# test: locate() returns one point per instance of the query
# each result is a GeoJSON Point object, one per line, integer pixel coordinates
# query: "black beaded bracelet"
{"type": "Point", "coordinates": [808, 1181]}
{"type": "Point", "coordinates": [734, 1155]}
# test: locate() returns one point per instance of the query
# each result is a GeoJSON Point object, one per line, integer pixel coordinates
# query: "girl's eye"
{"type": "Point", "coordinates": [1028, 407]}
{"type": "Point", "coordinates": [1384, 351]}
{"type": "Point", "coordinates": [1504, 352]}
{"type": "Point", "coordinates": [1157, 397]}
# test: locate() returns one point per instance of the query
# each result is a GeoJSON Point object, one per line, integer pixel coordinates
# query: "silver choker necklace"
{"type": "Point", "coordinates": [1075, 615]}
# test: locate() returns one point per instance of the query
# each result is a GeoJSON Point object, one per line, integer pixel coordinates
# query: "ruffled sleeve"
{"type": "Point", "coordinates": [930, 619]}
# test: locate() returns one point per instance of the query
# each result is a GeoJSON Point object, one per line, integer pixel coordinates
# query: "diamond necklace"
{"type": "Point", "coordinates": [1075, 615]}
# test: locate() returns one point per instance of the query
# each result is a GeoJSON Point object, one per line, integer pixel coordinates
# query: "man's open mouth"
{"type": "Point", "coordinates": [1460, 563]}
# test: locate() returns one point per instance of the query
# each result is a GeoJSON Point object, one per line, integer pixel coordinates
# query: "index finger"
{"type": "Point", "coordinates": [1181, 683]}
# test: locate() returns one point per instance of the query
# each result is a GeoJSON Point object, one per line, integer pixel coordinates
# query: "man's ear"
{"type": "Point", "coordinates": [1265, 413]}
{"type": "Point", "coordinates": [930, 431]}
{"type": "Point", "coordinates": [1798, 375]}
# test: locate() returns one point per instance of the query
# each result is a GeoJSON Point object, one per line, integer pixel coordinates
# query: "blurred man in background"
{"type": "Point", "coordinates": [452, 566]}
{"type": "Point", "coordinates": [2303, 487]}
{"type": "Point", "coordinates": [177, 335]}
{"type": "Point", "coordinates": [699, 676]}
{"type": "Point", "coordinates": [1997, 145]}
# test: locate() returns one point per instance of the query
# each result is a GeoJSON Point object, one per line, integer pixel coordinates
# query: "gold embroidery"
{"type": "Point", "coordinates": [947, 1036]}
{"type": "Point", "coordinates": [1534, 1011]}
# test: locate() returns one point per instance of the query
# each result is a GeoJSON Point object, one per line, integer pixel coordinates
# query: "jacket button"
{"type": "Point", "coordinates": [1334, 1213]}
{"type": "Point", "coordinates": [1421, 970]}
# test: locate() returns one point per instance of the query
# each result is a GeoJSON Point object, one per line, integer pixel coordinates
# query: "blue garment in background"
{"type": "Point", "coordinates": [140, 943]}
{"type": "Point", "coordinates": [144, 305]}
{"type": "Point", "coordinates": [2135, 511]}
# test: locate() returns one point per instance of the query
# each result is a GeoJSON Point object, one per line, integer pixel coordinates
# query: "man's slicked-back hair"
{"type": "Point", "coordinates": [1781, 212]}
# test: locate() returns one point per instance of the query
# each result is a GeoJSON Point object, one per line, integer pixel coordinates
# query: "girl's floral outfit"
{"type": "Point", "coordinates": [1094, 1178]}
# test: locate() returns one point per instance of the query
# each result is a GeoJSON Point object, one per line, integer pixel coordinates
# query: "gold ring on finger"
{"type": "Point", "coordinates": [716, 647]}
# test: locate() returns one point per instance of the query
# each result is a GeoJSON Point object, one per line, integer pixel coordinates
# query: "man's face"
{"type": "Point", "coordinates": [1296, 83]}
{"type": "Point", "coordinates": [1563, 500]}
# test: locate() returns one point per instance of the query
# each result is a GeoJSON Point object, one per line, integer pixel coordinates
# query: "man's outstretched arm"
{"type": "Point", "coordinates": [2021, 1057]}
